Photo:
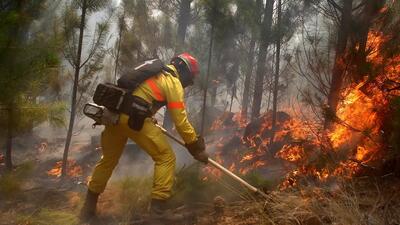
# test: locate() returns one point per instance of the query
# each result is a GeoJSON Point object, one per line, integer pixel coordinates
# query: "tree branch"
{"type": "Point", "coordinates": [335, 5]}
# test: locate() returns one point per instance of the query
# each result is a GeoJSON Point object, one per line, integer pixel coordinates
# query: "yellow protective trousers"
{"type": "Point", "coordinates": [151, 140]}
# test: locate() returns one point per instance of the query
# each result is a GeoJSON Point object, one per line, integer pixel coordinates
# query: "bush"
{"type": "Point", "coordinates": [130, 197]}
{"type": "Point", "coordinates": [10, 182]}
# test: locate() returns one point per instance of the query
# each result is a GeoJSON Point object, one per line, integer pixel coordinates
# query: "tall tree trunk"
{"type": "Point", "coordinates": [184, 18]}
{"type": "Point", "coordinates": [14, 41]}
{"type": "Point", "coordinates": [218, 59]}
{"type": "Point", "coordinates": [10, 124]}
{"type": "Point", "coordinates": [213, 94]}
{"type": "Point", "coordinates": [339, 67]}
{"type": "Point", "coordinates": [233, 93]}
{"type": "Point", "coordinates": [370, 10]}
{"type": "Point", "coordinates": [262, 55]}
{"type": "Point", "coordinates": [203, 113]}
{"type": "Point", "coordinates": [74, 90]}
{"type": "Point", "coordinates": [249, 73]}
{"type": "Point", "coordinates": [276, 77]}
{"type": "Point", "coordinates": [121, 27]}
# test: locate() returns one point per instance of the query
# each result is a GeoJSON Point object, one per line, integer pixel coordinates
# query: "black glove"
{"type": "Point", "coordinates": [197, 150]}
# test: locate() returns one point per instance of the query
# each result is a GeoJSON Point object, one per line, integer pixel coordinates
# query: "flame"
{"type": "Point", "coordinates": [247, 157]}
{"type": "Point", "coordinates": [224, 122]}
{"type": "Point", "coordinates": [361, 153]}
{"type": "Point", "coordinates": [355, 135]}
{"type": "Point", "coordinates": [359, 117]}
{"type": "Point", "coordinates": [73, 170]}
{"type": "Point", "coordinates": [217, 124]}
{"type": "Point", "coordinates": [356, 105]}
{"type": "Point", "coordinates": [240, 120]}
{"type": "Point", "coordinates": [291, 153]}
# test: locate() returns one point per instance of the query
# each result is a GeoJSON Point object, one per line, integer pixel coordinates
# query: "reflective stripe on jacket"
{"type": "Point", "coordinates": [166, 88]}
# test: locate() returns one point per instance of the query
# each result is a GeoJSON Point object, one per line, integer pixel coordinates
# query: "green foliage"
{"type": "Point", "coordinates": [91, 5]}
{"type": "Point", "coordinates": [9, 185]}
{"type": "Point", "coordinates": [248, 15]}
{"type": "Point", "coordinates": [257, 180]}
{"type": "Point", "coordinates": [28, 63]}
{"type": "Point", "coordinates": [290, 21]}
{"type": "Point", "coordinates": [10, 182]}
{"type": "Point", "coordinates": [143, 39]}
{"type": "Point", "coordinates": [216, 10]}
{"type": "Point", "coordinates": [49, 217]}
{"type": "Point", "coordinates": [191, 187]}
{"type": "Point", "coordinates": [132, 196]}
{"type": "Point", "coordinates": [94, 46]}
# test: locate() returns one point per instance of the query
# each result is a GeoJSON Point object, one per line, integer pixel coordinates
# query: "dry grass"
{"type": "Point", "coordinates": [350, 203]}
{"type": "Point", "coordinates": [124, 199]}
{"type": "Point", "coordinates": [357, 202]}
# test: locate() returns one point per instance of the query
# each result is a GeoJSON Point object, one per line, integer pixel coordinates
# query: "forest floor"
{"type": "Point", "coordinates": [29, 195]}
{"type": "Point", "coordinates": [58, 202]}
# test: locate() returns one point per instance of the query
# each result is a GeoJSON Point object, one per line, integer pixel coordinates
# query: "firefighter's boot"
{"type": "Point", "coordinates": [88, 212]}
{"type": "Point", "coordinates": [161, 214]}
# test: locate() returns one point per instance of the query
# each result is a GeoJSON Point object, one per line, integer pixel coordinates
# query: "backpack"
{"type": "Point", "coordinates": [118, 99]}
{"type": "Point", "coordinates": [135, 77]}
{"type": "Point", "coordinates": [112, 96]}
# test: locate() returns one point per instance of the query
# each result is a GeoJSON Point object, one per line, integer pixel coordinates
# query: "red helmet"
{"type": "Point", "coordinates": [187, 66]}
{"type": "Point", "coordinates": [190, 61]}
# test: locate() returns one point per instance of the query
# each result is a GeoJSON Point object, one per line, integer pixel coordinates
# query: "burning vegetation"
{"type": "Point", "coordinates": [73, 169]}
{"type": "Point", "coordinates": [352, 146]}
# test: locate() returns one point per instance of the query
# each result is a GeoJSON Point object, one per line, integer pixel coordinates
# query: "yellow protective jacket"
{"type": "Point", "coordinates": [166, 89]}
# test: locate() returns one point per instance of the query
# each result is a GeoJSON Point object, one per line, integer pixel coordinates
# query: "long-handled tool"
{"type": "Point", "coordinates": [218, 166]}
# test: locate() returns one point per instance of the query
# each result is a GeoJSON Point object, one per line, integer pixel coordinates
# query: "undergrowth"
{"type": "Point", "coordinates": [128, 198]}
{"type": "Point", "coordinates": [350, 203]}
{"type": "Point", "coordinates": [46, 216]}
{"type": "Point", "coordinates": [11, 182]}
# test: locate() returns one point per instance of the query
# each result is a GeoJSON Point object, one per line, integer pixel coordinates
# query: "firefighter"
{"type": "Point", "coordinates": [166, 88]}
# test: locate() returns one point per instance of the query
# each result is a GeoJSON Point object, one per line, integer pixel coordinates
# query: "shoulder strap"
{"type": "Point", "coordinates": [133, 78]}
{"type": "Point", "coordinates": [169, 70]}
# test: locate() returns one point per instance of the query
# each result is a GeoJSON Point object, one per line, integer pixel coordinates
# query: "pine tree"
{"type": "Point", "coordinates": [73, 53]}
{"type": "Point", "coordinates": [339, 68]}
{"type": "Point", "coordinates": [28, 62]}
{"type": "Point", "coordinates": [264, 42]}
{"type": "Point", "coordinates": [249, 17]}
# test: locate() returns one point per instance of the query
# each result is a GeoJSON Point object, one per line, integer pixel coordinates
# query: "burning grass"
{"type": "Point", "coordinates": [73, 169]}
